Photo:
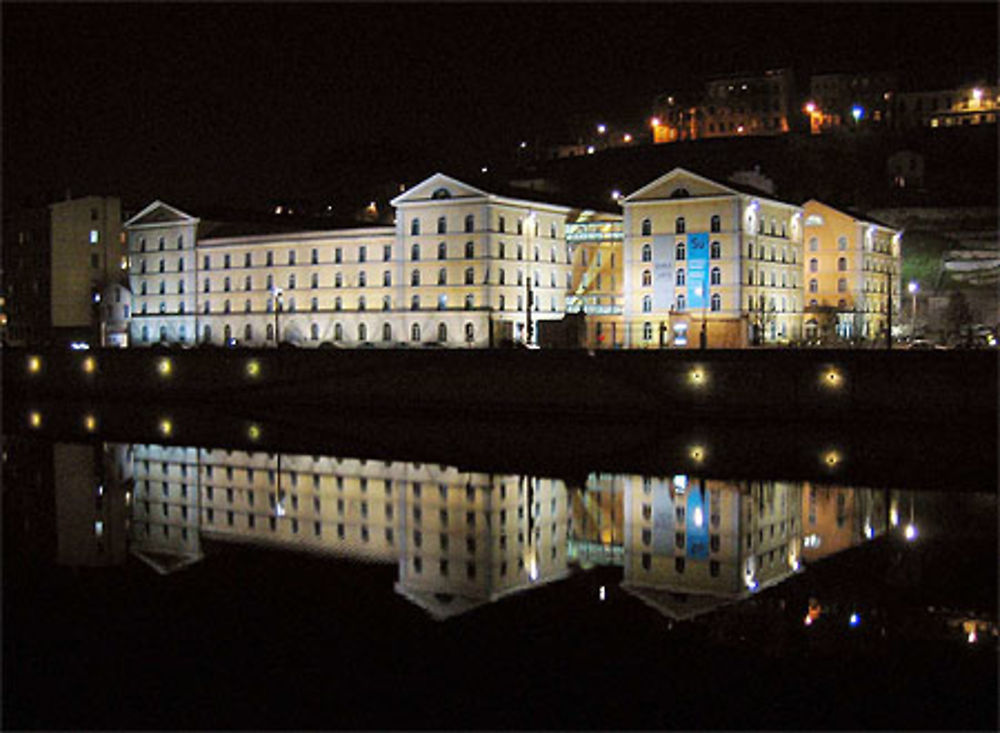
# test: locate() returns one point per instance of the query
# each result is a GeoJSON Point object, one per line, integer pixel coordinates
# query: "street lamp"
{"type": "Point", "coordinates": [913, 288]}
{"type": "Point", "coordinates": [277, 292]}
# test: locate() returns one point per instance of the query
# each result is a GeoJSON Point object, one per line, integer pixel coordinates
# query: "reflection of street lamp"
{"type": "Point", "coordinates": [277, 292]}
{"type": "Point", "coordinates": [913, 288]}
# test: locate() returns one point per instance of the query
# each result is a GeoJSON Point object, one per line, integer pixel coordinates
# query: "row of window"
{"type": "Point", "coordinates": [715, 252]}
{"type": "Point", "coordinates": [314, 332]}
{"type": "Point", "coordinates": [469, 225]}
{"type": "Point", "coordinates": [680, 225]}
{"type": "Point", "coordinates": [715, 302]}
{"type": "Point", "coordinates": [162, 243]}
{"type": "Point", "coordinates": [841, 264]}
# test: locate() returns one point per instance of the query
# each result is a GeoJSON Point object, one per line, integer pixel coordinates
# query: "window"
{"type": "Point", "coordinates": [470, 250]}
{"type": "Point", "coordinates": [842, 285]}
{"type": "Point", "coordinates": [313, 304]}
{"type": "Point", "coordinates": [313, 281]}
{"type": "Point", "coordinates": [361, 303]}
{"type": "Point", "coordinates": [248, 283]}
{"type": "Point", "coordinates": [716, 223]}
{"type": "Point", "coordinates": [647, 304]}
{"type": "Point", "coordinates": [469, 223]}
{"type": "Point", "coordinates": [470, 302]}
{"type": "Point", "coordinates": [715, 251]}
{"type": "Point", "coordinates": [842, 244]}
{"type": "Point", "coordinates": [291, 281]}
{"type": "Point", "coordinates": [387, 253]}
{"type": "Point", "coordinates": [415, 332]}
{"type": "Point", "coordinates": [470, 332]}
{"type": "Point", "coordinates": [813, 244]}
{"type": "Point", "coordinates": [680, 251]}
{"type": "Point", "coordinates": [442, 332]}
{"type": "Point", "coordinates": [415, 278]}
{"type": "Point", "coordinates": [415, 303]}
{"type": "Point", "coordinates": [338, 303]}
{"type": "Point", "coordinates": [680, 277]}
{"type": "Point", "coordinates": [681, 302]}
{"type": "Point", "coordinates": [362, 332]}
{"type": "Point", "coordinates": [716, 302]}
{"type": "Point", "coordinates": [442, 225]}
{"type": "Point", "coordinates": [842, 264]}
{"type": "Point", "coordinates": [501, 227]}
{"type": "Point", "coordinates": [338, 332]}
{"type": "Point", "coordinates": [387, 332]}
{"type": "Point", "coordinates": [415, 252]}
{"type": "Point", "coordinates": [362, 279]}
{"type": "Point", "coordinates": [813, 265]}
{"type": "Point", "coordinates": [248, 333]}
{"type": "Point", "coordinates": [813, 285]}
{"type": "Point", "coordinates": [470, 275]}
{"type": "Point", "coordinates": [386, 303]}
{"type": "Point", "coordinates": [715, 276]}
{"type": "Point", "coordinates": [270, 258]}
{"type": "Point", "coordinates": [647, 228]}
{"type": "Point", "coordinates": [520, 252]}
{"type": "Point", "coordinates": [415, 227]}
{"type": "Point", "coordinates": [520, 227]}
{"type": "Point", "coordinates": [647, 278]}
{"type": "Point", "coordinates": [442, 251]}
{"type": "Point", "coordinates": [647, 253]}
{"type": "Point", "coordinates": [679, 225]}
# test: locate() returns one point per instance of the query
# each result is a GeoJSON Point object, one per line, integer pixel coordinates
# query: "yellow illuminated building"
{"type": "Point", "coordinates": [704, 257]}
{"type": "Point", "coordinates": [850, 264]}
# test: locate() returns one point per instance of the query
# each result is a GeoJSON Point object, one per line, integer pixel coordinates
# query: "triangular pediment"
{"type": "Point", "coordinates": [679, 606]}
{"type": "Point", "coordinates": [680, 183]}
{"type": "Point", "coordinates": [439, 187]}
{"type": "Point", "coordinates": [159, 212]}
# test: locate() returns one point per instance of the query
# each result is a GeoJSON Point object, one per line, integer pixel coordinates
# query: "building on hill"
{"type": "Point", "coordinates": [968, 104]}
{"type": "Point", "coordinates": [708, 264]}
{"type": "Point", "coordinates": [849, 101]}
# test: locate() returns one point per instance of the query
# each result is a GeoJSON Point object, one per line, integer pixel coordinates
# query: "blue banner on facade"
{"type": "Point", "coordinates": [697, 523]}
{"type": "Point", "coordinates": [697, 271]}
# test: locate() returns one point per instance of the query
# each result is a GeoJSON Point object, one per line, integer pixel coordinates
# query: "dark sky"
{"type": "Point", "coordinates": [239, 104]}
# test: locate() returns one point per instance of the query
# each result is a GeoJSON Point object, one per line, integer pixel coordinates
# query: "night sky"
{"type": "Point", "coordinates": [242, 104]}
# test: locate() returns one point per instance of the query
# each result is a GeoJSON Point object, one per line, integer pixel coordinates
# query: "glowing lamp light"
{"type": "Point", "coordinates": [977, 94]}
{"type": "Point", "coordinates": [854, 620]}
{"type": "Point", "coordinates": [832, 378]}
{"type": "Point", "coordinates": [697, 377]}
{"type": "Point", "coordinates": [533, 569]}
{"type": "Point", "coordinates": [680, 483]}
{"type": "Point", "coordinates": [857, 112]}
{"type": "Point", "coordinates": [602, 128]}
{"type": "Point", "coordinates": [253, 432]}
{"type": "Point", "coordinates": [627, 138]}
{"type": "Point", "coordinates": [810, 107]}
{"type": "Point", "coordinates": [699, 517]}
{"type": "Point", "coordinates": [807, 620]}
{"type": "Point", "coordinates": [894, 516]}
{"type": "Point", "coordinates": [697, 453]}
{"type": "Point", "coordinates": [832, 458]}
{"type": "Point", "coordinates": [655, 122]}
{"type": "Point", "coordinates": [523, 145]}
{"type": "Point", "coordinates": [89, 365]}
{"type": "Point", "coordinates": [971, 638]}
{"type": "Point", "coordinates": [166, 427]}
{"type": "Point", "coordinates": [484, 169]}
{"type": "Point", "coordinates": [601, 594]}
{"type": "Point", "coordinates": [35, 419]}
{"type": "Point", "coordinates": [164, 367]}
{"type": "Point", "coordinates": [910, 532]}
{"type": "Point", "coordinates": [616, 194]}
{"type": "Point", "coordinates": [253, 368]}
{"type": "Point", "coordinates": [90, 423]}
{"type": "Point", "coordinates": [34, 364]}
{"type": "Point", "coordinates": [912, 287]}
{"type": "Point", "coordinates": [739, 129]}
{"type": "Point", "coordinates": [590, 150]}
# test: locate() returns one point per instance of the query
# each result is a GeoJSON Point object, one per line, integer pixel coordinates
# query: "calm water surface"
{"type": "Point", "coordinates": [178, 586]}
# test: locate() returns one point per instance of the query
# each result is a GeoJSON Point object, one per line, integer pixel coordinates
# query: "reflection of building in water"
{"type": "Point", "coordinates": [835, 519]}
{"type": "Point", "coordinates": [93, 487]}
{"type": "Point", "coordinates": [597, 521]}
{"type": "Point", "coordinates": [693, 544]}
{"type": "Point", "coordinates": [460, 538]}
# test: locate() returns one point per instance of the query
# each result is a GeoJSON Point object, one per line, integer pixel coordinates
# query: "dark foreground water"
{"type": "Point", "coordinates": [190, 586]}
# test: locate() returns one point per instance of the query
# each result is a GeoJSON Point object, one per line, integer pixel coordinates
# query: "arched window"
{"type": "Point", "coordinates": [750, 277]}
{"type": "Point", "coordinates": [415, 303]}
{"type": "Point", "coordinates": [552, 233]}
{"type": "Point", "coordinates": [362, 332]}
{"type": "Point", "coordinates": [415, 332]}
{"type": "Point", "coordinates": [163, 287]}
{"type": "Point", "coordinates": [387, 332]}
{"type": "Point", "coordinates": [442, 225]}
{"type": "Point", "coordinates": [142, 287]}
{"type": "Point", "coordinates": [362, 303]}
{"type": "Point", "coordinates": [716, 302]}
{"type": "Point", "coordinates": [227, 333]}
{"type": "Point", "coordinates": [647, 278]}
{"type": "Point", "coordinates": [680, 277]}
{"type": "Point", "coordinates": [813, 244]}
{"type": "Point", "coordinates": [314, 332]}
{"type": "Point", "coordinates": [161, 244]}
{"type": "Point", "coordinates": [415, 252]}
{"type": "Point", "coordinates": [680, 251]}
{"type": "Point", "coordinates": [716, 223]}
{"type": "Point", "coordinates": [647, 304]}
{"type": "Point", "coordinates": [313, 304]}
{"type": "Point", "coordinates": [145, 329]}
{"type": "Point", "coordinates": [362, 279]}
{"type": "Point", "coordinates": [338, 280]}
{"type": "Point", "coordinates": [502, 277]}
{"type": "Point", "coordinates": [226, 285]}
{"type": "Point", "coordinates": [248, 332]}
{"type": "Point", "coordinates": [338, 332]}
{"type": "Point", "coordinates": [442, 276]}
{"type": "Point", "coordinates": [813, 303]}
{"type": "Point", "coordinates": [750, 250]}
{"type": "Point", "coordinates": [715, 276]}
{"type": "Point", "coordinates": [338, 303]}
{"type": "Point", "coordinates": [842, 285]}
{"type": "Point", "coordinates": [470, 222]}
{"type": "Point", "coordinates": [247, 305]}
{"type": "Point", "coordinates": [715, 251]}
{"type": "Point", "coordinates": [647, 331]}
{"type": "Point", "coordinates": [842, 244]}
{"type": "Point", "coordinates": [647, 253]}
{"type": "Point", "coordinates": [470, 332]}
{"type": "Point", "coordinates": [442, 332]}
{"type": "Point", "coordinates": [679, 225]}
{"type": "Point", "coordinates": [470, 250]}
{"type": "Point", "coordinates": [813, 285]}
{"type": "Point", "coordinates": [842, 264]}
{"type": "Point", "coordinates": [313, 281]}
{"type": "Point", "coordinates": [386, 303]}
{"type": "Point", "coordinates": [470, 275]}
{"type": "Point", "coordinates": [501, 225]}
{"type": "Point", "coordinates": [647, 228]}
{"type": "Point", "coordinates": [442, 251]}
{"type": "Point", "coordinates": [813, 265]}
{"type": "Point", "coordinates": [470, 302]}
{"type": "Point", "coordinates": [415, 227]}
{"type": "Point", "coordinates": [415, 277]}
{"type": "Point", "coordinates": [501, 303]}
{"type": "Point", "coordinates": [291, 281]}
{"type": "Point", "coordinates": [681, 302]}
{"type": "Point", "coordinates": [270, 332]}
